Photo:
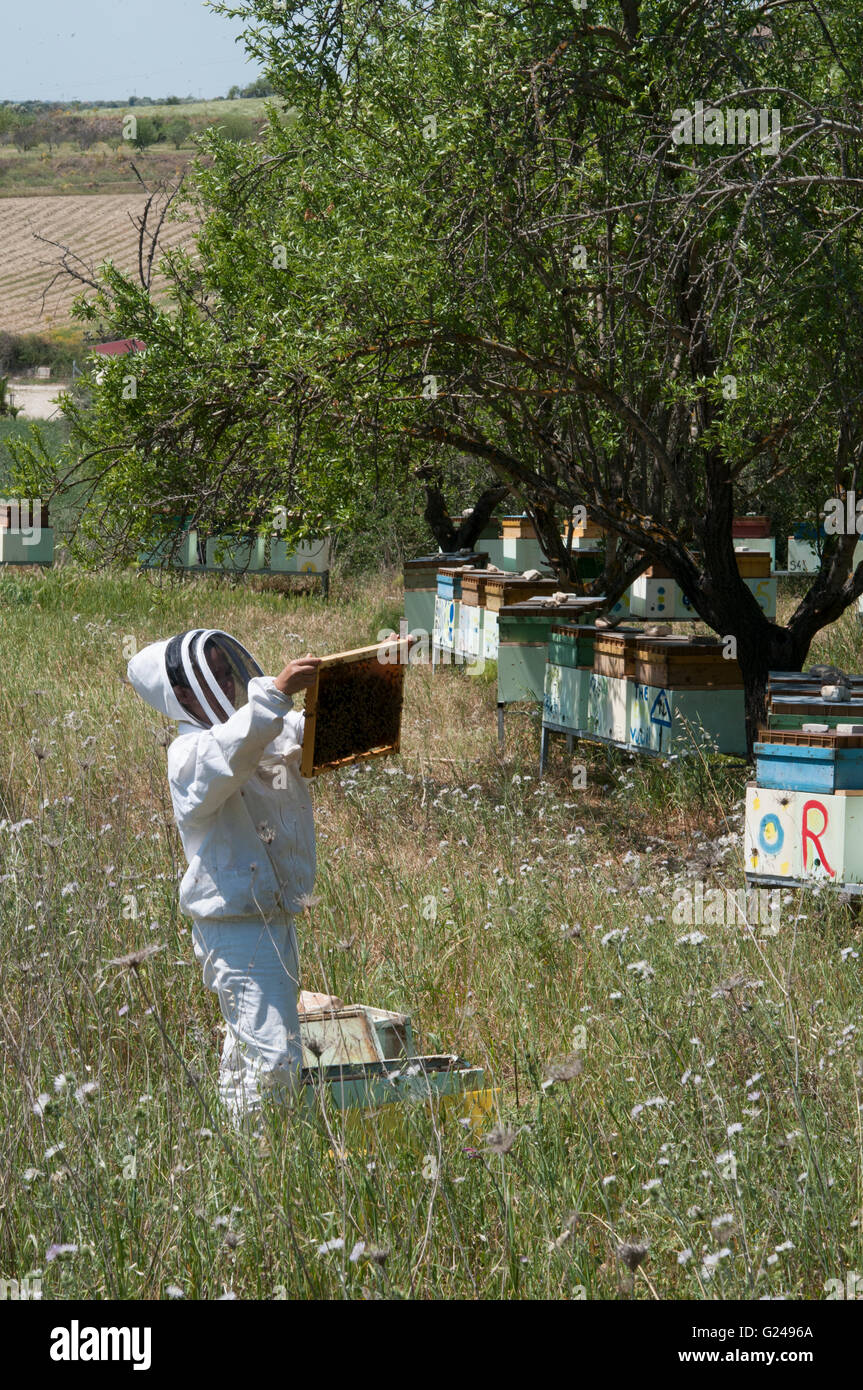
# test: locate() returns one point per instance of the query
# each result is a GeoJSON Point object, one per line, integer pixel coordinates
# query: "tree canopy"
{"type": "Point", "coordinates": [610, 254]}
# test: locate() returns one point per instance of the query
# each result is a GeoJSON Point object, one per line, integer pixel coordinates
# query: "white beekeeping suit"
{"type": "Point", "coordinates": [245, 818]}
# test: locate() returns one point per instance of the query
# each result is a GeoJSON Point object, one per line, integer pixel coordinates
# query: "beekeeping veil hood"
{"type": "Point", "coordinates": [214, 666]}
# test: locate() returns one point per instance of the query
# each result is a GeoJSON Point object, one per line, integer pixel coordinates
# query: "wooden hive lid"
{"type": "Point", "coordinates": [802, 738]}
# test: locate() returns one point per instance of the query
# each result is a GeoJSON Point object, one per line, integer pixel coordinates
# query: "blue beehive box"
{"type": "Point", "coordinates": [797, 760]}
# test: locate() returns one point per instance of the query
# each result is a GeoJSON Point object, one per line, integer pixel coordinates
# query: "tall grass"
{"type": "Point", "coordinates": [504, 914]}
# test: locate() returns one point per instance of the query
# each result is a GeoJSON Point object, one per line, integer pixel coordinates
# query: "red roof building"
{"type": "Point", "coordinates": [118, 347]}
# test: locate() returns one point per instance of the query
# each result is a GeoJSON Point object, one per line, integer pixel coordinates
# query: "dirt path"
{"type": "Point", "coordinates": [38, 400]}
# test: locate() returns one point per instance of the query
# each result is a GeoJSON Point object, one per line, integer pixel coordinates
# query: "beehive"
{"type": "Point", "coordinates": [571, 644]}
{"type": "Point", "coordinates": [354, 708]}
{"type": "Point", "coordinates": [750, 526]}
{"type": "Point", "coordinates": [303, 557]}
{"type": "Point", "coordinates": [472, 613]}
{"type": "Point", "coordinates": [31, 545]}
{"type": "Point", "coordinates": [614, 652]}
{"type": "Point", "coordinates": [803, 837]}
{"type": "Point", "coordinates": [608, 703]}
{"type": "Point", "coordinates": [243, 554]}
{"type": "Point", "coordinates": [681, 662]}
{"type": "Point", "coordinates": [524, 630]}
{"type": "Point", "coordinates": [765, 543]}
{"type": "Point", "coordinates": [518, 528]}
{"type": "Point", "coordinates": [445, 633]}
{"type": "Point", "coordinates": [503, 589]}
{"type": "Point", "coordinates": [565, 697]}
{"type": "Point", "coordinates": [520, 546]}
{"type": "Point", "coordinates": [420, 580]}
{"type": "Point", "coordinates": [753, 564]}
{"type": "Point", "coordinates": [791, 760]}
{"type": "Point", "coordinates": [664, 720]}
{"type": "Point", "coordinates": [763, 590]}
{"type": "Point", "coordinates": [802, 556]}
{"type": "Point", "coordinates": [793, 711]}
{"type": "Point", "coordinates": [586, 530]}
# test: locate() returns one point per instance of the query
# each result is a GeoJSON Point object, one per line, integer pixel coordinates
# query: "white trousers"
{"type": "Point", "coordinates": [254, 970]}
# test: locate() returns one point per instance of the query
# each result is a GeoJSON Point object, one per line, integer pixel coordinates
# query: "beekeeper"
{"type": "Point", "coordinates": [245, 818]}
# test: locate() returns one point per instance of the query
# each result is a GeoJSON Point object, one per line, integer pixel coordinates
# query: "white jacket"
{"type": "Point", "coordinates": [243, 810]}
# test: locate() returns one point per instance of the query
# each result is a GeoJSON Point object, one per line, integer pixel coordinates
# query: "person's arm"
{"type": "Point", "coordinates": [219, 761]}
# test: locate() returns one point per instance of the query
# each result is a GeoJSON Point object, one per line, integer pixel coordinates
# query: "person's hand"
{"type": "Point", "coordinates": [298, 675]}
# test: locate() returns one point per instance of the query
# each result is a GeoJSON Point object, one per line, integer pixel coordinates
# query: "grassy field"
{"type": "Point", "coordinates": [95, 227]}
{"type": "Point", "coordinates": [63, 167]}
{"type": "Point", "coordinates": [694, 1092]}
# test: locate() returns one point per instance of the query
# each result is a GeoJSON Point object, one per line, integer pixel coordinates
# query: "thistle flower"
{"type": "Point", "coordinates": [501, 1139]}
{"type": "Point", "coordinates": [631, 1254]}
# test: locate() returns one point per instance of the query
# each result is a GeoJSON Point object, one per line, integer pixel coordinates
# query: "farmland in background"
{"type": "Point", "coordinates": [83, 151]}
{"type": "Point", "coordinates": [96, 228]}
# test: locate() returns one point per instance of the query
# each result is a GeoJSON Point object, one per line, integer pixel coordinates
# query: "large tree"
{"type": "Point", "coordinates": [495, 233]}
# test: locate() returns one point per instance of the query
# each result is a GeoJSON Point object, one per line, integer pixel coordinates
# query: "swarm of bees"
{"type": "Point", "coordinates": [358, 709]}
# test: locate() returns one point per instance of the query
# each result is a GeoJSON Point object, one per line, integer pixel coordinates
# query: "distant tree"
{"type": "Point", "coordinates": [149, 132]}
{"type": "Point", "coordinates": [236, 127]}
{"type": "Point", "coordinates": [178, 130]}
{"type": "Point", "coordinates": [172, 101]}
{"type": "Point", "coordinates": [233, 92]}
{"type": "Point", "coordinates": [25, 135]}
{"type": "Point", "coordinates": [259, 88]}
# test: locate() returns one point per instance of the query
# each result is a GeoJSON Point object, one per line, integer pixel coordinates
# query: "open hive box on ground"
{"type": "Point", "coordinates": [366, 1060]}
{"type": "Point", "coordinates": [354, 709]}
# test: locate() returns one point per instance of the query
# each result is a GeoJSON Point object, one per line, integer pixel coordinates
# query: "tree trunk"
{"type": "Point", "coordinates": [480, 515]}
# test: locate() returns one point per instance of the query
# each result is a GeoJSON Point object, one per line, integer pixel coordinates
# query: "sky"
{"type": "Point", "coordinates": [90, 50]}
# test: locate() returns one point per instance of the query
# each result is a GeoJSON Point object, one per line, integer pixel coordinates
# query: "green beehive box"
{"type": "Point", "coordinates": [571, 645]}
{"type": "Point", "coordinates": [21, 548]}
{"type": "Point", "coordinates": [524, 630]}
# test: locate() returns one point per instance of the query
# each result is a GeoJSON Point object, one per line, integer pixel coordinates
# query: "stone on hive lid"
{"type": "Point", "coordinates": [846, 730]}
{"type": "Point", "coordinates": [816, 728]}
{"type": "Point", "coordinates": [837, 693]}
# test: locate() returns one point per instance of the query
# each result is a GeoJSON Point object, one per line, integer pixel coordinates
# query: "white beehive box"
{"type": "Point", "coordinates": [309, 557]}
{"type": "Point", "coordinates": [803, 837]}
{"type": "Point", "coordinates": [608, 702]}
